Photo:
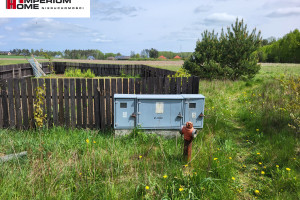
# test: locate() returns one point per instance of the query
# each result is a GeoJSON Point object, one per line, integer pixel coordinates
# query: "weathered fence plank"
{"type": "Point", "coordinates": [84, 104]}
{"type": "Point", "coordinates": [125, 85]}
{"type": "Point", "coordinates": [172, 86]}
{"type": "Point", "coordinates": [54, 101]}
{"type": "Point", "coordinates": [67, 100]}
{"type": "Point", "coordinates": [131, 86]}
{"type": "Point", "coordinates": [97, 103]}
{"type": "Point", "coordinates": [113, 92]}
{"type": "Point", "coordinates": [30, 102]}
{"type": "Point", "coordinates": [48, 102]}
{"type": "Point", "coordinates": [119, 86]}
{"type": "Point", "coordinates": [61, 116]}
{"type": "Point", "coordinates": [24, 104]}
{"type": "Point", "coordinates": [90, 102]}
{"type": "Point", "coordinates": [17, 103]}
{"type": "Point", "coordinates": [101, 106]}
{"type": "Point", "coordinates": [107, 97]}
{"type": "Point", "coordinates": [10, 87]}
{"type": "Point", "coordinates": [5, 121]}
{"type": "Point", "coordinates": [137, 86]}
{"type": "Point", "coordinates": [72, 97]}
{"type": "Point", "coordinates": [78, 103]}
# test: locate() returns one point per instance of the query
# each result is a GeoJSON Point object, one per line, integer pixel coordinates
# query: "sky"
{"type": "Point", "coordinates": [134, 25]}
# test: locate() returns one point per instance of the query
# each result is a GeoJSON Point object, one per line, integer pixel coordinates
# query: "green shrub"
{"type": "Point", "coordinates": [71, 72]}
{"type": "Point", "coordinates": [230, 55]}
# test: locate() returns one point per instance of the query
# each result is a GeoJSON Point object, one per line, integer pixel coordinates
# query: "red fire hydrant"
{"type": "Point", "coordinates": [189, 134]}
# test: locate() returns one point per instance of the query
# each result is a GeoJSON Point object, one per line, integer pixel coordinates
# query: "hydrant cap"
{"type": "Point", "coordinates": [189, 125]}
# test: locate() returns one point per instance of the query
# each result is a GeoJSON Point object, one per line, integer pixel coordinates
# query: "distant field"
{"type": "Point", "coordinates": [7, 61]}
{"type": "Point", "coordinates": [266, 68]}
{"type": "Point", "coordinates": [19, 57]}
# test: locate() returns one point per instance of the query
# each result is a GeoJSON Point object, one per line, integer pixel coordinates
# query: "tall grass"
{"type": "Point", "coordinates": [246, 150]}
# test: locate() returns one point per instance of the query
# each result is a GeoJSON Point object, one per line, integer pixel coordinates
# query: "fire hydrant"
{"type": "Point", "coordinates": [189, 134]}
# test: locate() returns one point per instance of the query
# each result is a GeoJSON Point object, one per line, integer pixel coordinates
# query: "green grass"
{"type": "Point", "coordinates": [245, 133]}
{"type": "Point", "coordinates": [20, 57]}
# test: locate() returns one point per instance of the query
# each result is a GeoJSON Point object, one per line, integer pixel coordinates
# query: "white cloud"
{"type": "Point", "coordinates": [100, 40]}
{"type": "Point", "coordinates": [28, 39]}
{"type": "Point", "coordinates": [219, 18]}
{"type": "Point", "coordinates": [202, 9]}
{"type": "Point", "coordinates": [8, 28]}
{"type": "Point", "coordinates": [285, 12]}
{"type": "Point", "coordinates": [47, 25]}
{"type": "Point", "coordinates": [113, 11]}
{"type": "Point", "coordinates": [3, 21]}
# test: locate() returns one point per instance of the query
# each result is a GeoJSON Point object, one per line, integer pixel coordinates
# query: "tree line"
{"type": "Point", "coordinates": [68, 54]}
{"type": "Point", "coordinates": [284, 50]}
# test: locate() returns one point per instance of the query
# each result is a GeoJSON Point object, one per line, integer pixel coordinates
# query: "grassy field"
{"type": "Point", "coordinates": [246, 150]}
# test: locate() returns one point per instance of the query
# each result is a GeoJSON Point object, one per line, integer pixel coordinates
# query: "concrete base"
{"type": "Point", "coordinates": [164, 133]}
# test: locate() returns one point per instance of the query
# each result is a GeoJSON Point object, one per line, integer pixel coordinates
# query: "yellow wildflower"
{"type": "Point", "coordinates": [277, 166]}
{"type": "Point", "coordinates": [147, 187]}
{"type": "Point", "coordinates": [165, 176]}
{"type": "Point", "coordinates": [94, 142]}
{"type": "Point", "coordinates": [265, 167]}
{"type": "Point", "coordinates": [288, 169]}
{"type": "Point", "coordinates": [87, 141]}
{"type": "Point", "coordinates": [185, 165]}
{"type": "Point", "coordinates": [140, 157]}
{"type": "Point", "coordinates": [215, 158]}
{"type": "Point", "coordinates": [262, 172]}
{"type": "Point", "coordinates": [258, 153]}
{"type": "Point", "coordinates": [294, 158]}
{"type": "Point", "coordinates": [256, 191]}
{"type": "Point", "coordinates": [230, 158]}
{"type": "Point", "coordinates": [232, 178]}
{"type": "Point", "coordinates": [257, 129]}
{"type": "Point", "coordinates": [260, 163]}
{"type": "Point", "coordinates": [180, 189]}
{"type": "Point", "coordinates": [244, 166]}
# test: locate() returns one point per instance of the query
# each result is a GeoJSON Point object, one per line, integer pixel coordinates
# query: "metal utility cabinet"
{"type": "Point", "coordinates": [166, 112]}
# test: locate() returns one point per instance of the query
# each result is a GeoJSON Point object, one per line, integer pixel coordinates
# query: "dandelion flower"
{"type": "Point", "coordinates": [94, 142]}
{"type": "Point", "coordinates": [288, 169]}
{"type": "Point", "coordinates": [256, 191]}
{"type": "Point", "coordinates": [257, 129]}
{"type": "Point", "coordinates": [180, 189]}
{"type": "Point", "coordinates": [215, 158]}
{"type": "Point", "coordinates": [255, 168]}
{"type": "Point", "coordinates": [140, 157]}
{"type": "Point", "coordinates": [260, 163]}
{"type": "Point", "coordinates": [230, 158]}
{"type": "Point", "coordinates": [147, 187]}
{"type": "Point", "coordinates": [244, 166]}
{"type": "Point", "coordinates": [265, 167]}
{"type": "Point", "coordinates": [262, 172]}
{"type": "Point", "coordinates": [165, 176]}
{"type": "Point", "coordinates": [185, 165]}
{"type": "Point", "coordinates": [277, 166]}
{"type": "Point", "coordinates": [87, 141]}
{"type": "Point", "coordinates": [232, 178]}
{"type": "Point", "coordinates": [258, 153]}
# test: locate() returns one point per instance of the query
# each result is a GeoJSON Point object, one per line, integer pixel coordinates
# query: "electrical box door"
{"type": "Point", "coordinates": [125, 113]}
{"type": "Point", "coordinates": [194, 112]}
{"type": "Point", "coordinates": [159, 113]}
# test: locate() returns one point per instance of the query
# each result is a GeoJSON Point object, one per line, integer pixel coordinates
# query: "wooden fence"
{"type": "Point", "coordinates": [80, 103]}
{"type": "Point", "coordinates": [25, 70]}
